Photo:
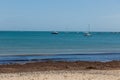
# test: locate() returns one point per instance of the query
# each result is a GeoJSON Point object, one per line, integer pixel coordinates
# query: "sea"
{"type": "Point", "coordinates": [27, 46]}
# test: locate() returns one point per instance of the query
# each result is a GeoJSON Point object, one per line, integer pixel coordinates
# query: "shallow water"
{"type": "Point", "coordinates": [59, 57]}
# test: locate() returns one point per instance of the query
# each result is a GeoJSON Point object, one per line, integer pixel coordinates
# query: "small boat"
{"type": "Point", "coordinates": [55, 32]}
{"type": "Point", "coordinates": [88, 32]}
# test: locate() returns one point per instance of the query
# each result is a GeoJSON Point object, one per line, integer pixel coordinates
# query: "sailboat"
{"type": "Point", "coordinates": [88, 32]}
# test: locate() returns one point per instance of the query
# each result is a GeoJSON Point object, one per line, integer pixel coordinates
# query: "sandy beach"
{"type": "Point", "coordinates": [64, 75]}
{"type": "Point", "coordinates": [50, 70]}
{"type": "Point", "coordinates": [59, 65]}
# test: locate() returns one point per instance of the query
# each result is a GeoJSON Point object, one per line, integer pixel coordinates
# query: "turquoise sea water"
{"type": "Point", "coordinates": [36, 42]}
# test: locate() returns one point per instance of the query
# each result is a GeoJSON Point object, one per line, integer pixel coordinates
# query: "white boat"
{"type": "Point", "coordinates": [88, 32]}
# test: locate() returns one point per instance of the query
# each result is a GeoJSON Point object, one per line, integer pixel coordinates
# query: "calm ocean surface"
{"type": "Point", "coordinates": [71, 46]}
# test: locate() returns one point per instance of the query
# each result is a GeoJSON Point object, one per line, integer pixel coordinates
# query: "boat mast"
{"type": "Point", "coordinates": [88, 28]}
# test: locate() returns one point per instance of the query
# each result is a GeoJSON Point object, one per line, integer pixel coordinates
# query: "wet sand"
{"type": "Point", "coordinates": [59, 65]}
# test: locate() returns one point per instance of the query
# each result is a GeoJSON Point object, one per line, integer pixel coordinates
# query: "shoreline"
{"type": "Point", "coordinates": [59, 66]}
{"type": "Point", "coordinates": [28, 58]}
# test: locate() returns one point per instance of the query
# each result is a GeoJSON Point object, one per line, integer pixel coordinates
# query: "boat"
{"type": "Point", "coordinates": [55, 32]}
{"type": "Point", "coordinates": [88, 32]}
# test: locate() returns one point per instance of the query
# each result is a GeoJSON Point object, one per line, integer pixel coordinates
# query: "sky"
{"type": "Point", "coordinates": [60, 15]}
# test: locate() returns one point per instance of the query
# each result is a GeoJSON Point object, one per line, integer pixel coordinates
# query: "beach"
{"type": "Point", "coordinates": [59, 70]}
{"type": "Point", "coordinates": [59, 40]}
{"type": "Point", "coordinates": [59, 65]}
{"type": "Point", "coordinates": [32, 55]}
{"type": "Point", "coordinates": [64, 75]}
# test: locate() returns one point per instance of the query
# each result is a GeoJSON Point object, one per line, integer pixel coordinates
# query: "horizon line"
{"type": "Point", "coordinates": [51, 31]}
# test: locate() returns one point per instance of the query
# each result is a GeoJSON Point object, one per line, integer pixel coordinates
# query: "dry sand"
{"type": "Point", "coordinates": [64, 75]}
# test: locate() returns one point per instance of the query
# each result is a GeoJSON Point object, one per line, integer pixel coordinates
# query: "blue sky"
{"type": "Point", "coordinates": [64, 15]}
